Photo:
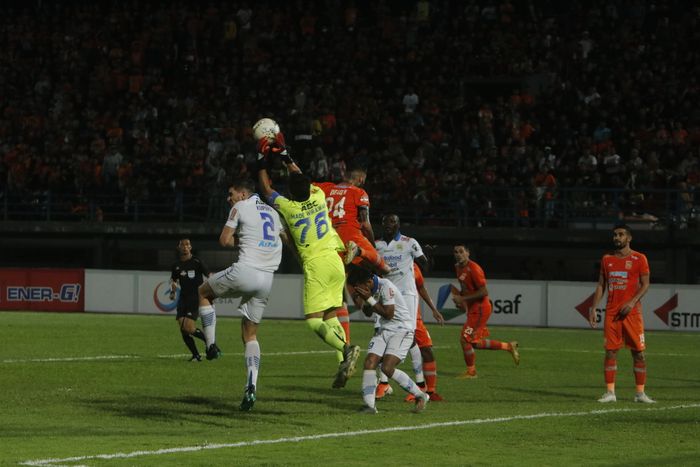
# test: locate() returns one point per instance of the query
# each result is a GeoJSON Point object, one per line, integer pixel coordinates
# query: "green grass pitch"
{"type": "Point", "coordinates": [117, 390]}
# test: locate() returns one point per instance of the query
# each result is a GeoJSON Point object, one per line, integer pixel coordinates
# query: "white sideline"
{"type": "Point", "coordinates": [298, 439]}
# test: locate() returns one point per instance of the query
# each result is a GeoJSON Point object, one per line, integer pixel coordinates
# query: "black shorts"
{"type": "Point", "coordinates": [191, 312]}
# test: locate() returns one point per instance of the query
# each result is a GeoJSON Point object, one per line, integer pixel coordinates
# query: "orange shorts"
{"type": "Point", "coordinates": [629, 331]}
{"type": "Point", "coordinates": [422, 335]}
{"type": "Point", "coordinates": [475, 328]}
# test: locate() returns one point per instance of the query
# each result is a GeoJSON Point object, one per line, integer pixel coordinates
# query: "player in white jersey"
{"type": "Point", "coordinates": [255, 228]}
{"type": "Point", "coordinates": [399, 253]}
{"type": "Point", "coordinates": [391, 342]}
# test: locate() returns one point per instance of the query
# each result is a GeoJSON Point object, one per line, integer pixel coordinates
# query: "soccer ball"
{"type": "Point", "coordinates": [265, 128]}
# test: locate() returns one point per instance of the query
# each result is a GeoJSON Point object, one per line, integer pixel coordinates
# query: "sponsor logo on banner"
{"type": "Point", "coordinates": [67, 293]}
{"type": "Point", "coordinates": [42, 289]}
{"type": "Point", "coordinates": [677, 319]}
{"type": "Point", "coordinates": [585, 305]}
{"type": "Point", "coordinates": [499, 306]}
{"type": "Point", "coordinates": [161, 297]}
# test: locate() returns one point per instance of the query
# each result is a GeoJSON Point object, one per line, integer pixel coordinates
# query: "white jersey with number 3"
{"type": "Point", "coordinates": [399, 254]}
{"type": "Point", "coordinates": [258, 228]}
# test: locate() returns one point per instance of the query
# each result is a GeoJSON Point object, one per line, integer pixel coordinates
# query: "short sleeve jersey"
{"type": "Point", "coordinates": [386, 293]}
{"type": "Point", "coordinates": [399, 255]}
{"type": "Point", "coordinates": [309, 224]}
{"type": "Point", "coordinates": [471, 278]}
{"type": "Point", "coordinates": [344, 203]}
{"type": "Point", "coordinates": [258, 228]}
{"type": "Point", "coordinates": [623, 277]}
{"type": "Point", "coordinates": [189, 274]}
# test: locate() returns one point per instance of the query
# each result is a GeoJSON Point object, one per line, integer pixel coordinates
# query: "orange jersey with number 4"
{"type": "Point", "coordinates": [344, 202]}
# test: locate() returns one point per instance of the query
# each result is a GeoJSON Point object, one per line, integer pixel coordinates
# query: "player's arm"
{"type": "Point", "coordinates": [423, 292]}
{"type": "Point", "coordinates": [365, 225]}
{"type": "Point", "coordinates": [625, 310]}
{"type": "Point", "coordinates": [373, 305]}
{"type": "Point", "coordinates": [465, 297]}
{"type": "Point", "coordinates": [227, 239]}
{"type": "Point", "coordinates": [597, 295]}
{"type": "Point", "coordinates": [173, 285]}
{"type": "Point", "coordinates": [422, 263]}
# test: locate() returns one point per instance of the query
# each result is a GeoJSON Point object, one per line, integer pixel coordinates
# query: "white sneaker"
{"type": "Point", "coordinates": [352, 250]}
{"type": "Point", "coordinates": [608, 397]}
{"type": "Point", "coordinates": [643, 398]}
{"type": "Point", "coordinates": [421, 402]}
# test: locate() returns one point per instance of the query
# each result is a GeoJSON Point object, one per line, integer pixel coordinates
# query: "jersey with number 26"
{"type": "Point", "coordinates": [258, 228]}
{"type": "Point", "coordinates": [309, 224]}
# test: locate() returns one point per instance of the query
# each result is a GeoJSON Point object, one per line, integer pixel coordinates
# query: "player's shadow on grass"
{"type": "Point", "coordinates": [542, 393]}
{"type": "Point", "coordinates": [334, 398]}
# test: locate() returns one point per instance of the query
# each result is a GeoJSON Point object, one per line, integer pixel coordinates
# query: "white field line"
{"type": "Point", "coordinates": [304, 352]}
{"type": "Point", "coordinates": [299, 439]}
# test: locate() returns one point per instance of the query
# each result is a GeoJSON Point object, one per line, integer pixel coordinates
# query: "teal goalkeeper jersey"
{"type": "Point", "coordinates": [309, 224]}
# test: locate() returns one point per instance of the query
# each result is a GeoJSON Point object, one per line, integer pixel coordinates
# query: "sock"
{"type": "Point", "coordinates": [252, 362]}
{"type": "Point", "coordinates": [417, 363]}
{"type": "Point", "coordinates": [199, 334]}
{"type": "Point", "coordinates": [339, 331]}
{"type": "Point", "coordinates": [610, 370]}
{"type": "Point", "coordinates": [344, 319]}
{"type": "Point", "coordinates": [189, 342]}
{"type": "Point", "coordinates": [383, 379]}
{"type": "Point", "coordinates": [640, 374]}
{"type": "Point", "coordinates": [430, 372]}
{"type": "Point", "coordinates": [208, 323]}
{"type": "Point", "coordinates": [369, 385]}
{"type": "Point", "coordinates": [406, 382]}
{"type": "Point", "coordinates": [326, 332]}
{"type": "Point", "coordinates": [491, 344]}
{"type": "Point", "coordinates": [469, 355]}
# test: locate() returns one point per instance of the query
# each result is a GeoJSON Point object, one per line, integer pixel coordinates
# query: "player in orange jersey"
{"type": "Point", "coordinates": [473, 298]}
{"type": "Point", "coordinates": [348, 206]}
{"type": "Point", "coordinates": [625, 275]}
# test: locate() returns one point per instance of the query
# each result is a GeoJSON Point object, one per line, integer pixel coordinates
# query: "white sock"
{"type": "Point", "coordinates": [208, 316]}
{"type": "Point", "coordinates": [406, 382]}
{"type": "Point", "coordinates": [369, 386]}
{"type": "Point", "coordinates": [252, 362]}
{"type": "Point", "coordinates": [417, 362]}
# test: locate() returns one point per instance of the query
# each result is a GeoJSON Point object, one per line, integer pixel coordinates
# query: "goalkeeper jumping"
{"type": "Point", "coordinates": [318, 244]}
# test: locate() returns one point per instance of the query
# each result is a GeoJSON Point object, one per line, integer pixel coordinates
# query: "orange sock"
{"type": "Point", "coordinates": [491, 344]}
{"type": "Point", "coordinates": [640, 374]}
{"type": "Point", "coordinates": [610, 371]}
{"type": "Point", "coordinates": [430, 373]}
{"type": "Point", "coordinates": [344, 318]}
{"type": "Point", "coordinates": [469, 355]}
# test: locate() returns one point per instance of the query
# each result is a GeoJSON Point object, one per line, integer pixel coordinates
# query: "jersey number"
{"type": "Point", "coordinates": [319, 222]}
{"type": "Point", "coordinates": [268, 226]}
{"type": "Point", "coordinates": [336, 210]}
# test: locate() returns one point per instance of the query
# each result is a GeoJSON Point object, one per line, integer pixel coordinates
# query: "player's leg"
{"type": "Point", "coordinates": [425, 344]}
{"type": "Point", "coordinates": [369, 373]}
{"type": "Point", "coordinates": [613, 342]}
{"type": "Point", "coordinates": [187, 327]}
{"type": "Point", "coordinates": [397, 347]}
{"type": "Point", "coordinates": [466, 339]}
{"type": "Point", "coordinates": [417, 366]}
{"type": "Point", "coordinates": [208, 316]}
{"type": "Point", "coordinates": [251, 354]}
{"type": "Point", "coordinates": [366, 255]}
{"type": "Point", "coordinates": [633, 331]}
{"type": "Point", "coordinates": [493, 344]}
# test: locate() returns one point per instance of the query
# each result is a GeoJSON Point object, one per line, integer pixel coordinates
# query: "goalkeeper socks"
{"type": "Point", "coordinates": [327, 333]}
{"type": "Point", "coordinates": [189, 342]}
{"type": "Point", "coordinates": [344, 319]}
{"type": "Point", "coordinates": [430, 372]}
{"type": "Point", "coordinates": [339, 331]}
{"type": "Point", "coordinates": [640, 374]}
{"type": "Point", "coordinates": [417, 363]}
{"type": "Point", "coordinates": [406, 382]}
{"type": "Point", "coordinates": [199, 334]}
{"type": "Point", "coordinates": [252, 362]}
{"type": "Point", "coordinates": [369, 386]}
{"type": "Point", "coordinates": [208, 323]}
{"type": "Point", "coordinates": [610, 372]}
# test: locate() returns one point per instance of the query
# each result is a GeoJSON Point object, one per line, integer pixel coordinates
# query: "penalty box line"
{"type": "Point", "coordinates": [299, 439]}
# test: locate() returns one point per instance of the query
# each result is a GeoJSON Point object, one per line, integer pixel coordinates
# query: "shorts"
{"type": "Point", "coordinates": [422, 335]}
{"type": "Point", "coordinates": [252, 285]}
{"type": "Point", "coordinates": [475, 328]}
{"type": "Point", "coordinates": [324, 283]}
{"type": "Point", "coordinates": [386, 342]}
{"type": "Point", "coordinates": [629, 331]}
{"type": "Point", "coordinates": [188, 307]}
{"type": "Point", "coordinates": [188, 313]}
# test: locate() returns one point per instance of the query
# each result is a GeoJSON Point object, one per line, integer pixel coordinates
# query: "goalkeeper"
{"type": "Point", "coordinates": [317, 244]}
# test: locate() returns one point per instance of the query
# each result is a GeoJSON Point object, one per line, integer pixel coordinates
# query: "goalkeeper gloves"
{"type": "Point", "coordinates": [275, 147]}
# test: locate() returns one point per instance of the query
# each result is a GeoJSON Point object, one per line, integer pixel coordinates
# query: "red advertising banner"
{"type": "Point", "coordinates": [42, 289]}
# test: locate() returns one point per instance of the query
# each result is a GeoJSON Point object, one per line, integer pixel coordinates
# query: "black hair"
{"type": "Point", "coordinates": [623, 226]}
{"type": "Point", "coordinates": [299, 186]}
{"type": "Point", "coordinates": [358, 275]}
{"type": "Point", "coordinates": [243, 182]}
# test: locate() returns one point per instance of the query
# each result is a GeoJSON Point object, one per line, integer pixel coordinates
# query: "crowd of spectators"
{"type": "Point", "coordinates": [459, 109]}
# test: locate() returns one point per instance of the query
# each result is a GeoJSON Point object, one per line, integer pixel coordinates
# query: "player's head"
{"type": "Point", "coordinates": [461, 253]}
{"type": "Point", "coordinates": [184, 247]}
{"type": "Point", "coordinates": [299, 186]}
{"type": "Point", "coordinates": [357, 176]}
{"type": "Point", "coordinates": [358, 275]}
{"type": "Point", "coordinates": [390, 225]}
{"type": "Point", "coordinates": [622, 236]}
{"type": "Point", "coordinates": [239, 189]}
